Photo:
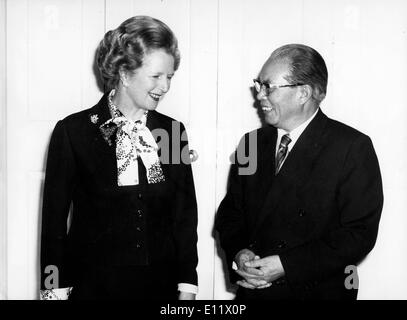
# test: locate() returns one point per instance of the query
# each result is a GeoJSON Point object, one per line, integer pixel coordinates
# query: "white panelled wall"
{"type": "Point", "coordinates": [49, 49]}
{"type": "Point", "coordinates": [3, 218]}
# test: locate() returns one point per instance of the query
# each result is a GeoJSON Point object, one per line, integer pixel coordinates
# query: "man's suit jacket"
{"type": "Point", "coordinates": [142, 225]}
{"type": "Point", "coordinates": [319, 214]}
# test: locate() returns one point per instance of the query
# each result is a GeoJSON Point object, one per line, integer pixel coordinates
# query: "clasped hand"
{"type": "Point", "coordinates": [257, 273]}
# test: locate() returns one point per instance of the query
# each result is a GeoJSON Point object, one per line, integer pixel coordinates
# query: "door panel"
{"type": "Point", "coordinates": [192, 100]}
{"type": "Point", "coordinates": [3, 148]}
{"type": "Point", "coordinates": [49, 75]}
{"type": "Point", "coordinates": [176, 103]}
{"type": "Point", "coordinates": [244, 45]}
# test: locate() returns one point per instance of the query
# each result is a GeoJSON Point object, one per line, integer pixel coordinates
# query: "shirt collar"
{"type": "Point", "coordinates": [114, 110]}
{"type": "Point", "coordinates": [295, 133]}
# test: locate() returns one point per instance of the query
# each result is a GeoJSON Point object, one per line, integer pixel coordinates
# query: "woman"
{"type": "Point", "coordinates": [134, 216]}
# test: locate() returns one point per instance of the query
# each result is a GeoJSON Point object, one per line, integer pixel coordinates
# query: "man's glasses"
{"type": "Point", "coordinates": [269, 87]}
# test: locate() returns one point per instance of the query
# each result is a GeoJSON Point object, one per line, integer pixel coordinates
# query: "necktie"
{"type": "Point", "coordinates": [282, 151]}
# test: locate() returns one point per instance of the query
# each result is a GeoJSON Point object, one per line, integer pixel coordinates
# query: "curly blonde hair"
{"type": "Point", "coordinates": [124, 48]}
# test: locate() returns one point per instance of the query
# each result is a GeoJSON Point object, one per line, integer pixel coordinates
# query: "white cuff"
{"type": "Point", "coordinates": [55, 294]}
{"type": "Point", "coordinates": [186, 287]}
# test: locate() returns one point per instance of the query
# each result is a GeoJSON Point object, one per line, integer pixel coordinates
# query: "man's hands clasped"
{"type": "Point", "coordinates": [257, 273]}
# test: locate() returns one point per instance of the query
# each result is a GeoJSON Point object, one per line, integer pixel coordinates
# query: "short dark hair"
{"type": "Point", "coordinates": [124, 48]}
{"type": "Point", "coordinates": [306, 66]}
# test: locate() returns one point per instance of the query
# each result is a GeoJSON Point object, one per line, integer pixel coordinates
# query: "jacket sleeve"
{"type": "Point", "coordinates": [359, 203]}
{"type": "Point", "coordinates": [186, 219]}
{"type": "Point", "coordinates": [58, 189]}
{"type": "Point", "coordinates": [230, 219]}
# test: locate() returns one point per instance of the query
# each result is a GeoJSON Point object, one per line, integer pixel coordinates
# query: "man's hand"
{"type": "Point", "coordinates": [253, 277]}
{"type": "Point", "coordinates": [270, 266]}
{"type": "Point", "coordinates": [186, 296]}
{"type": "Point", "coordinates": [243, 256]}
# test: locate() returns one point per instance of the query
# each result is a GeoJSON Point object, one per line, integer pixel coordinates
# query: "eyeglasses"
{"type": "Point", "coordinates": [269, 87]}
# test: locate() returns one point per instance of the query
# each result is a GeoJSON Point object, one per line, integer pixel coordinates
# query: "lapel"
{"type": "Point", "coordinates": [266, 163]}
{"type": "Point", "coordinates": [153, 122]}
{"type": "Point", "coordinates": [296, 169]}
{"type": "Point", "coordinates": [102, 114]}
{"type": "Point", "coordinates": [264, 176]}
{"type": "Point", "coordinates": [102, 154]}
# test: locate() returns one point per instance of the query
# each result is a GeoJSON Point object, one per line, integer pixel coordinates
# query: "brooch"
{"type": "Point", "coordinates": [94, 118]}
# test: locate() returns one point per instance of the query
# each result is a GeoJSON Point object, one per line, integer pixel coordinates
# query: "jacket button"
{"type": "Point", "coordinates": [282, 244]}
{"type": "Point", "coordinates": [139, 196]}
{"type": "Point", "coordinates": [279, 282]}
{"type": "Point", "coordinates": [301, 213]}
{"type": "Point", "coordinates": [139, 213]}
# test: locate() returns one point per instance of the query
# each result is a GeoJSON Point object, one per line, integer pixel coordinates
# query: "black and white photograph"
{"type": "Point", "coordinates": [208, 150]}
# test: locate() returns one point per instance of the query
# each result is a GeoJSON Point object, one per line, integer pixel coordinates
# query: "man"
{"type": "Point", "coordinates": [312, 207]}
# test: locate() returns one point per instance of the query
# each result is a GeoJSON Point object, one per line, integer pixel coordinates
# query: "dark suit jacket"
{"type": "Point", "coordinates": [319, 214]}
{"type": "Point", "coordinates": [143, 225]}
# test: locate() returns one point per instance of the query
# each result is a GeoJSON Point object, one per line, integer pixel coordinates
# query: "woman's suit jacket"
{"type": "Point", "coordinates": [142, 225]}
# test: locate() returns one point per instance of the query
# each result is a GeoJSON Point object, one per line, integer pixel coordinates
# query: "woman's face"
{"type": "Point", "coordinates": [147, 85]}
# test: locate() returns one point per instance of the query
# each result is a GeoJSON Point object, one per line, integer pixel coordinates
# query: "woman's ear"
{"type": "Point", "coordinates": [123, 77]}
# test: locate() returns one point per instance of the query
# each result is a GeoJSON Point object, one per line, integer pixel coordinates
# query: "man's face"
{"type": "Point", "coordinates": [281, 106]}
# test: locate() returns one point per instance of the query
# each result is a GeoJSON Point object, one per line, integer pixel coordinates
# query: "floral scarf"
{"type": "Point", "coordinates": [133, 139]}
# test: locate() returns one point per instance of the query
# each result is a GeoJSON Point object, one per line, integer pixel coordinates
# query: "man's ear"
{"type": "Point", "coordinates": [305, 92]}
